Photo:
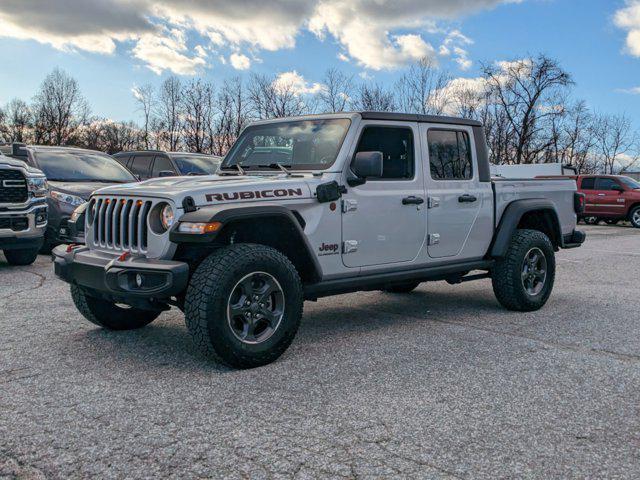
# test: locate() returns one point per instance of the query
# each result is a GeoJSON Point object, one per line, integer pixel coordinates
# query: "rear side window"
{"type": "Point", "coordinates": [449, 155]}
{"type": "Point", "coordinates": [606, 184]}
{"type": "Point", "coordinates": [396, 145]}
{"type": "Point", "coordinates": [588, 183]}
{"type": "Point", "coordinates": [141, 164]}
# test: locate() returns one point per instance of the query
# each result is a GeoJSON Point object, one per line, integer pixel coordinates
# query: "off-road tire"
{"type": "Point", "coordinates": [634, 214]}
{"type": "Point", "coordinates": [506, 275]}
{"type": "Point", "coordinates": [407, 287]}
{"type": "Point", "coordinates": [108, 315]}
{"type": "Point", "coordinates": [208, 295]}
{"type": "Point", "coordinates": [21, 257]}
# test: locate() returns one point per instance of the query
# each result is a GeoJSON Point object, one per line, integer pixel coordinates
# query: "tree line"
{"type": "Point", "coordinates": [527, 107]}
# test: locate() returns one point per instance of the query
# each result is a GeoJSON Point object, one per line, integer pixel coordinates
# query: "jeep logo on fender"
{"type": "Point", "coordinates": [248, 195]}
{"type": "Point", "coordinates": [328, 249]}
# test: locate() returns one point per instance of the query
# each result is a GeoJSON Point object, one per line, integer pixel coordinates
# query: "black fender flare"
{"type": "Point", "coordinates": [227, 215]}
{"type": "Point", "coordinates": [512, 215]}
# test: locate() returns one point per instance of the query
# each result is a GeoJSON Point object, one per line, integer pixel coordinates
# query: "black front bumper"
{"type": "Point", "coordinates": [133, 278]}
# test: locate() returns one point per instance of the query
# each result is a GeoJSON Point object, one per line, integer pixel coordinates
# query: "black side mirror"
{"type": "Point", "coordinates": [617, 188]}
{"type": "Point", "coordinates": [166, 173]}
{"type": "Point", "coordinates": [367, 164]}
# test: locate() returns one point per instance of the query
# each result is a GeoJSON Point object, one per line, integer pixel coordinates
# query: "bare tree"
{"type": "Point", "coordinates": [337, 91]}
{"type": "Point", "coordinates": [373, 97]}
{"type": "Point", "coordinates": [120, 136]}
{"type": "Point", "coordinates": [233, 113]}
{"type": "Point", "coordinates": [271, 98]}
{"type": "Point", "coordinates": [197, 105]}
{"type": "Point", "coordinates": [18, 119]}
{"type": "Point", "coordinates": [422, 89]}
{"type": "Point", "coordinates": [145, 97]}
{"type": "Point", "coordinates": [169, 111]}
{"type": "Point", "coordinates": [615, 140]}
{"type": "Point", "coordinates": [60, 107]}
{"type": "Point", "coordinates": [530, 93]}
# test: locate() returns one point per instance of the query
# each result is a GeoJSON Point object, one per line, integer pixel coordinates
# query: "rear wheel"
{"type": "Point", "coordinates": [634, 217]}
{"type": "Point", "coordinates": [402, 287]}
{"type": "Point", "coordinates": [21, 257]}
{"type": "Point", "coordinates": [523, 279]}
{"type": "Point", "coordinates": [244, 305]}
{"type": "Point", "coordinates": [109, 315]}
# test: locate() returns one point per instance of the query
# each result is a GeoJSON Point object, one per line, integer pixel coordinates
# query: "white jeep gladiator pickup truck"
{"type": "Point", "coordinates": [313, 206]}
{"type": "Point", "coordinates": [23, 211]}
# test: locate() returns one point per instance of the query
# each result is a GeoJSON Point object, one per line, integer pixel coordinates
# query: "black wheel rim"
{"type": "Point", "coordinates": [255, 308]}
{"type": "Point", "coordinates": [534, 271]}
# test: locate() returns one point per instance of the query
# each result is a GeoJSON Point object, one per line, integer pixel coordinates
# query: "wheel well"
{"type": "Point", "coordinates": [635, 205]}
{"type": "Point", "coordinates": [544, 221]}
{"type": "Point", "coordinates": [276, 232]}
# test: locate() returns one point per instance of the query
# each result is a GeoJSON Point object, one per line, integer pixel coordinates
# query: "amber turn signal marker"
{"type": "Point", "coordinates": [198, 227]}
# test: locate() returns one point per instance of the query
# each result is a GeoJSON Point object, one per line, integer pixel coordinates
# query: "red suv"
{"type": "Point", "coordinates": [611, 198]}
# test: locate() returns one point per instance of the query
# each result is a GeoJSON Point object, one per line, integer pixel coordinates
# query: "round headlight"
{"type": "Point", "coordinates": [166, 217]}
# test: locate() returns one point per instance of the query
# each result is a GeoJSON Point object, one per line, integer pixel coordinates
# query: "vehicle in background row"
{"type": "Point", "coordinates": [23, 211]}
{"type": "Point", "coordinates": [314, 206]}
{"type": "Point", "coordinates": [612, 198]}
{"type": "Point", "coordinates": [151, 164]}
{"type": "Point", "coordinates": [73, 175]}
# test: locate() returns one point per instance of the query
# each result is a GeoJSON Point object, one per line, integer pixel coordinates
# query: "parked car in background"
{"type": "Point", "coordinates": [151, 163]}
{"type": "Point", "coordinates": [23, 211]}
{"type": "Point", "coordinates": [73, 175]}
{"type": "Point", "coordinates": [611, 198]}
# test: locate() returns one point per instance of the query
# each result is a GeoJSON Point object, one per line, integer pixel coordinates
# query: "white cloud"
{"type": "Point", "coordinates": [167, 52]}
{"type": "Point", "coordinates": [296, 83]}
{"type": "Point", "coordinates": [376, 34]}
{"type": "Point", "coordinates": [239, 61]}
{"type": "Point", "coordinates": [628, 18]}
{"type": "Point", "coordinates": [631, 91]}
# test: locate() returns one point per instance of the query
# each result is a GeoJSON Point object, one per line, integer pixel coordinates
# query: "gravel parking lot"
{"type": "Point", "coordinates": [440, 383]}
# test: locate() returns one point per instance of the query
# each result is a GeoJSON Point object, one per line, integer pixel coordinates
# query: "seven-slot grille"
{"type": "Point", "coordinates": [13, 186]}
{"type": "Point", "coordinates": [120, 223]}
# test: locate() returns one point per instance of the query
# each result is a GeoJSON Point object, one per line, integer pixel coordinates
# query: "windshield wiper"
{"type": "Point", "coordinates": [238, 168]}
{"type": "Point", "coordinates": [279, 166]}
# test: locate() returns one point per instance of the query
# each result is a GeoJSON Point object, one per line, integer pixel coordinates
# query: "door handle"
{"type": "Point", "coordinates": [602, 194]}
{"type": "Point", "coordinates": [412, 200]}
{"type": "Point", "coordinates": [466, 198]}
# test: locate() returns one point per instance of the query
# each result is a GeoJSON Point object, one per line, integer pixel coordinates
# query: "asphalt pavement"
{"type": "Point", "coordinates": [439, 383]}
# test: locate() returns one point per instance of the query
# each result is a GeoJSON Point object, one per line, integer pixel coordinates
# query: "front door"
{"type": "Point", "coordinates": [456, 195]}
{"type": "Point", "coordinates": [610, 202]}
{"type": "Point", "coordinates": [384, 220]}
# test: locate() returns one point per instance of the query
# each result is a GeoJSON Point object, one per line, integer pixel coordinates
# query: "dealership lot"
{"type": "Point", "coordinates": [441, 383]}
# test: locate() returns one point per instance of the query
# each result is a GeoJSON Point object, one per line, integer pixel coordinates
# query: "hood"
{"type": "Point", "coordinates": [215, 189]}
{"type": "Point", "coordinates": [81, 189]}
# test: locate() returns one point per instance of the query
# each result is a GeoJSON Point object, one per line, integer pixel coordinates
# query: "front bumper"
{"type": "Point", "coordinates": [133, 278]}
{"type": "Point", "coordinates": [23, 229]}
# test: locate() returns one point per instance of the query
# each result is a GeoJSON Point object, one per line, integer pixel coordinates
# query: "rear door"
{"type": "Point", "coordinates": [455, 194]}
{"type": "Point", "coordinates": [588, 187]}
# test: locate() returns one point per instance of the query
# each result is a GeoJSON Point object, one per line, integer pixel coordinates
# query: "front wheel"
{"type": "Point", "coordinates": [634, 217]}
{"type": "Point", "coordinates": [21, 257]}
{"type": "Point", "coordinates": [523, 279]}
{"type": "Point", "coordinates": [244, 305]}
{"type": "Point", "coordinates": [108, 314]}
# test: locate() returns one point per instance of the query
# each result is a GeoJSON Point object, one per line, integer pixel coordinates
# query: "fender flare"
{"type": "Point", "coordinates": [512, 215]}
{"type": "Point", "coordinates": [227, 215]}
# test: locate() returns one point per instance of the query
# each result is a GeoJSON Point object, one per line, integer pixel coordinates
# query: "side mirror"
{"type": "Point", "coordinates": [166, 173]}
{"type": "Point", "coordinates": [367, 164]}
{"type": "Point", "coordinates": [617, 188]}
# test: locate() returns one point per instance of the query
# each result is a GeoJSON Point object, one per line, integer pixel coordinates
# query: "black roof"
{"type": "Point", "coordinates": [416, 117]}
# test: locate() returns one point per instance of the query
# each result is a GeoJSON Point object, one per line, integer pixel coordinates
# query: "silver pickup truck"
{"type": "Point", "coordinates": [314, 206]}
{"type": "Point", "coordinates": [23, 211]}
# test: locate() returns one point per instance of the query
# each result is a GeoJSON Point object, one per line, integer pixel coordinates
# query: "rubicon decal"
{"type": "Point", "coordinates": [248, 195]}
{"type": "Point", "coordinates": [328, 249]}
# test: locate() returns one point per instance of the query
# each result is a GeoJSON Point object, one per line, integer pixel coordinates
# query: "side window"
{"type": "Point", "coordinates": [161, 164]}
{"type": "Point", "coordinates": [606, 184]}
{"type": "Point", "coordinates": [396, 145]}
{"type": "Point", "coordinates": [449, 155]}
{"type": "Point", "coordinates": [122, 159]}
{"type": "Point", "coordinates": [141, 164]}
{"type": "Point", "coordinates": [588, 183]}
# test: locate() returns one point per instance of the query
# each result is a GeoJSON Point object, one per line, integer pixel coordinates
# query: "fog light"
{"type": "Point", "coordinates": [139, 280]}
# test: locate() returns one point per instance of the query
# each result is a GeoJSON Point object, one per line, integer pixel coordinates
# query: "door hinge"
{"type": "Point", "coordinates": [433, 239]}
{"type": "Point", "coordinates": [349, 205]}
{"type": "Point", "coordinates": [433, 202]}
{"type": "Point", "coordinates": [349, 246]}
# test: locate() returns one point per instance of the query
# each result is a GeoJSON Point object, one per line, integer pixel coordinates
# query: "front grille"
{"type": "Point", "coordinates": [17, 224]}
{"type": "Point", "coordinates": [13, 186]}
{"type": "Point", "coordinates": [119, 224]}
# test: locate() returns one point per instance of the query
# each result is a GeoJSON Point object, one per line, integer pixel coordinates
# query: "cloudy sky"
{"type": "Point", "coordinates": [110, 46]}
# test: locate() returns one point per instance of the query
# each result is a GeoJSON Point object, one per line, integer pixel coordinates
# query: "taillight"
{"type": "Point", "coordinates": [579, 202]}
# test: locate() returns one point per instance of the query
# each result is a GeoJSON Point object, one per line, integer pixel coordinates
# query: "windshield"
{"type": "Point", "coordinates": [82, 167]}
{"type": "Point", "coordinates": [196, 164]}
{"type": "Point", "coordinates": [300, 144]}
{"type": "Point", "coordinates": [630, 182]}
